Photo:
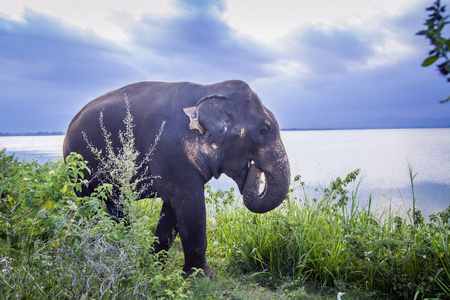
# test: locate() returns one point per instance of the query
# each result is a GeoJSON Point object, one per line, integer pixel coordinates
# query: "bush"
{"type": "Point", "coordinates": [125, 168]}
{"type": "Point", "coordinates": [55, 245]}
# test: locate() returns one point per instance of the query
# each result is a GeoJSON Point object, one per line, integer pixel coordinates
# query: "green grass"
{"type": "Point", "coordinates": [333, 242]}
{"type": "Point", "coordinates": [56, 245]}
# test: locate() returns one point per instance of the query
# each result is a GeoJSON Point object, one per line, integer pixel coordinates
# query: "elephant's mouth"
{"type": "Point", "coordinates": [260, 198]}
{"type": "Point", "coordinates": [261, 178]}
{"type": "Point", "coordinates": [244, 178]}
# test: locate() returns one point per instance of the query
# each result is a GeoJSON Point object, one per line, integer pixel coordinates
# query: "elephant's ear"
{"type": "Point", "coordinates": [211, 116]}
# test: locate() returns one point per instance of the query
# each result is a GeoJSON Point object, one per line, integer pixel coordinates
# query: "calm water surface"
{"type": "Point", "coordinates": [43, 148]}
{"type": "Point", "coordinates": [320, 156]}
{"type": "Point", "coordinates": [383, 157]}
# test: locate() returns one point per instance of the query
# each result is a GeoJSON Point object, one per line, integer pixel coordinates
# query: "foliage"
{"type": "Point", "coordinates": [436, 23]}
{"type": "Point", "coordinates": [337, 243]}
{"type": "Point", "coordinates": [29, 194]}
{"type": "Point", "coordinates": [79, 251]}
{"type": "Point", "coordinates": [55, 245]}
{"type": "Point", "coordinates": [125, 167]}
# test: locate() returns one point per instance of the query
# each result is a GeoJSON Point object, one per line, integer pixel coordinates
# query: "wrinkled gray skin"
{"type": "Point", "coordinates": [210, 130]}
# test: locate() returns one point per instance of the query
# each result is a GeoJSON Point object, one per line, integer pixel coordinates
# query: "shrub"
{"type": "Point", "coordinates": [55, 245]}
{"type": "Point", "coordinates": [125, 168]}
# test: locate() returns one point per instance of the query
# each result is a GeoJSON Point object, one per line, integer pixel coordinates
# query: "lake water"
{"type": "Point", "coordinates": [320, 156]}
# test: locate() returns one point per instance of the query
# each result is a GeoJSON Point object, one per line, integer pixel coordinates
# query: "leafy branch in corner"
{"type": "Point", "coordinates": [436, 22]}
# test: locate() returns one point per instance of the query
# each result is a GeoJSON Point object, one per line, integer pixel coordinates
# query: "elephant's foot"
{"type": "Point", "coordinates": [209, 272]}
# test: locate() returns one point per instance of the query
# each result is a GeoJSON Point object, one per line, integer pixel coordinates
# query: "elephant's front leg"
{"type": "Point", "coordinates": [191, 220]}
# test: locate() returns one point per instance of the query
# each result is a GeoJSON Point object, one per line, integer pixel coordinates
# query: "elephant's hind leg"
{"type": "Point", "coordinates": [116, 212]}
{"type": "Point", "coordinates": [167, 229]}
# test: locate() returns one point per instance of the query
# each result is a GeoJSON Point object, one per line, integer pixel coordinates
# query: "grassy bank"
{"type": "Point", "coordinates": [54, 245]}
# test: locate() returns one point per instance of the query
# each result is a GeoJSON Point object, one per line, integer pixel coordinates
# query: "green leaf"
{"type": "Point", "coordinates": [422, 32]}
{"type": "Point", "coordinates": [14, 238]}
{"type": "Point", "coordinates": [48, 204]}
{"type": "Point", "coordinates": [445, 100]}
{"type": "Point", "coordinates": [48, 189]}
{"type": "Point", "coordinates": [430, 60]}
{"type": "Point", "coordinates": [441, 24]}
{"type": "Point", "coordinates": [28, 201]}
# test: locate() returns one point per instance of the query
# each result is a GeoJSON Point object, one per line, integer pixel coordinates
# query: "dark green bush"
{"type": "Point", "coordinates": [57, 246]}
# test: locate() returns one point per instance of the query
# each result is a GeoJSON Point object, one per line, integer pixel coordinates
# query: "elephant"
{"type": "Point", "coordinates": [210, 130]}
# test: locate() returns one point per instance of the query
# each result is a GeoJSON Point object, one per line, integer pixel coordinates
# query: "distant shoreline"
{"type": "Point", "coordinates": [39, 133]}
{"type": "Point", "coordinates": [361, 128]}
{"type": "Point", "coordinates": [46, 133]}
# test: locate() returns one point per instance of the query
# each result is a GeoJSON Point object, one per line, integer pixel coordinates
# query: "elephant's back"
{"type": "Point", "coordinates": [140, 93]}
{"type": "Point", "coordinates": [151, 103]}
{"type": "Point", "coordinates": [155, 96]}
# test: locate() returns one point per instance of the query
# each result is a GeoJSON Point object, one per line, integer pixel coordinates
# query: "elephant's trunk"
{"type": "Point", "coordinates": [277, 174]}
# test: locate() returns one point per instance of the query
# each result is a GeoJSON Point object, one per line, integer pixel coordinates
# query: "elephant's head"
{"type": "Point", "coordinates": [241, 138]}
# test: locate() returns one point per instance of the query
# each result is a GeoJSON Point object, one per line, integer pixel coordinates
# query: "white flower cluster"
{"type": "Point", "coordinates": [72, 206]}
{"type": "Point", "coordinates": [4, 261]}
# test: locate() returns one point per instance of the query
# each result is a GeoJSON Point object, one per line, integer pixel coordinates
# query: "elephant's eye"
{"type": "Point", "coordinates": [264, 131]}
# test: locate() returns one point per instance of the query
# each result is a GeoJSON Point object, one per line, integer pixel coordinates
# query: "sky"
{"type": "Point", "coordinates": [314, 64]}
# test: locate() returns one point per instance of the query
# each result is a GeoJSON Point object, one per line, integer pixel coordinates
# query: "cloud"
{"type": "Point", "coordinates": [197, 39]}
{"type": "Point", "coordinates": [349, 75]}
{"type": "Point", "coordinates": [357, 76]}
{"type": "Point", "coordinates": [48, 66]}
{"type": "Point", "coordinates": [271, 20]}
{"type": "Point", "coordinates": [63, 66]}
{"type": "Point", "coordinates": [50, 50]}
{"type": "Point", "coordinates": [328, 52]}
{"type": "Point", "coordinates": [87, 14]}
